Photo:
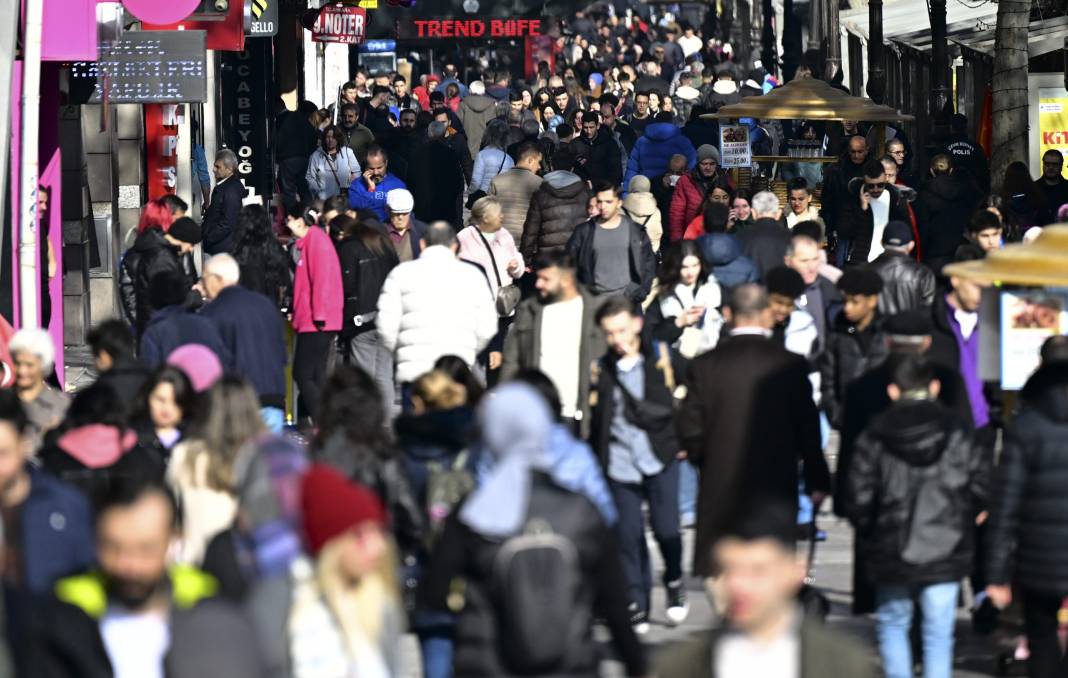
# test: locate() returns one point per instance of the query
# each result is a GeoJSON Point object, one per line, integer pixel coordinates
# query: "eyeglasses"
{"type": "Point", "coordinates": [898, 152]}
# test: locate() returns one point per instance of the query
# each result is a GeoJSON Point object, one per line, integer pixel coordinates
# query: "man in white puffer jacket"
{"type": "Point", "coordinates": [435, 305]}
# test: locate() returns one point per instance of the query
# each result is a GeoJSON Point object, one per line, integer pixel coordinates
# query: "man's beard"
{"type": "Point", "coordinates": [132, 594]}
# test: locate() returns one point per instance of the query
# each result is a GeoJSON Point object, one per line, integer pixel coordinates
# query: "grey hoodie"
{"type": "Point", "coordinates": [561, 178]}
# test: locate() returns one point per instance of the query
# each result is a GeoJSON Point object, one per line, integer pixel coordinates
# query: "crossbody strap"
{"type": "Point", "coordinates": [493, 259]}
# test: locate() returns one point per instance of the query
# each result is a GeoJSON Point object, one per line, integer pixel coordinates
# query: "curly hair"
{"type": "Point", "coordinates": [264, 265]}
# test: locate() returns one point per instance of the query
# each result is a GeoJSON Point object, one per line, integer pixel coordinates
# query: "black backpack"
{"type": "Point", "coordinates": [536, 582]}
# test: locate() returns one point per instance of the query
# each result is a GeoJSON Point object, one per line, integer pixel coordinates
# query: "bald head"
{"type": "Point", "coordinates": [858, 150]}
{"type": "Point", "coordinates": [748, 307]}
{"type": "Point", "coordinates": [441, 233]}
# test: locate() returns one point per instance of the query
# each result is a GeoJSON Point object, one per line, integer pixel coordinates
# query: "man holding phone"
{"type": "Point", "coordinates": [877, 203]}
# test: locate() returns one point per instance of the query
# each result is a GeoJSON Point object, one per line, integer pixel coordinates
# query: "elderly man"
{"type": "Point", "coordinates": [220, 218]}
{"type": "Point", "coordinates": [251, 329]}
{"type": "Point", "coordinates": [837, 203]}
{"type": "Point", "coordinates": [404, 230]}
{"type": "Point", "coordinates": [34, 356]}
{"type": "Point", "coordinates": [765, 241]}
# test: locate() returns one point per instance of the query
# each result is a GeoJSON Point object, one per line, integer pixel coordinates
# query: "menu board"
{"type": "Point", "coordinates": [145, 67]}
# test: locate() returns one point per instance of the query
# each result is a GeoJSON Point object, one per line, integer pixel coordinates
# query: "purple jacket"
{"type": "Point", "coordinates": [318, 295]}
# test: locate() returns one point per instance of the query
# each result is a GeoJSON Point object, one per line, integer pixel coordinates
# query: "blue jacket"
{"type": "Point", "coordinates": [251, 328]}
{"type": "Point", "coordinates": [176, 326]}
{"type": "Point", "coordinates": [57, 532]}
{"type": "Point", "coordinates": [362, 199]}
{"type": "Point", "coordinates": [654, 149]}
{"type": "Point", "coordinates": [724, 257]}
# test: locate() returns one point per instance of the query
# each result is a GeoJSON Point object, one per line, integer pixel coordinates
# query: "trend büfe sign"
{"type": "Point", "coordinates": [429, 29]}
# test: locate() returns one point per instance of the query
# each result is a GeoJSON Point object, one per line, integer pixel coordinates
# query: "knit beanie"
{"type": "Point", "coordinates": [199, 363]}
{"type": "Point", "coordinates": [706, 152]}
{"type": "Point", "coordinates": [186, 230]}
{"type": "Point", "coordinates": [331, 505]}
{"type": "Point", "coordinates": [639, 184]}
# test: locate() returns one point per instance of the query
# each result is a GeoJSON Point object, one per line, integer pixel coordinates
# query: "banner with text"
{"type": "Point", "coordinates": [344, 25]}
{"type": "Point", "coordinates": [482, 29]}
{"type": "Point", "coordinates": [734, 148]}
{"type": "Point", "coordinates": [245, 113]}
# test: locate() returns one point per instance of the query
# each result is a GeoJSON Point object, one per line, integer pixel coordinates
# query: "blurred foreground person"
{"type": "Point", "coordinates": [764, 633]}
{"type": "Point", "coordinates": [138, 616]}
{"type": "Point", "coordinates": [524, 562]}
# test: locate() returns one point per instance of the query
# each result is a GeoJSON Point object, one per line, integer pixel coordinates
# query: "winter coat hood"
{"type": "Point", "coordinates": [719, 249]}
{"type": "Point", "coordinates": [432, 435]}
{"type": "Point", "coordinates": [639, 205]}
{"type": "Point", "coordinates": [97, 445]}
{"type": "Point", "coordinates": [913, 431]}
{"type": "Point", "coordinates": [662, 131]}
{"type": "Point", "coordinates": [478, 102]}
{"type": "Point", "coordinates": [562, 183]}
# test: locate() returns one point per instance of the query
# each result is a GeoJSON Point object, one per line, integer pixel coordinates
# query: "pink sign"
{"type": "Point", "coordinates": [160, 11]}
{"type": "Point", "coordinates": [69, 30]}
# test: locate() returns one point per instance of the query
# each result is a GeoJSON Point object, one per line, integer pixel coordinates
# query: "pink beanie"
{"type": "Point", "coordinates": [199, 363]}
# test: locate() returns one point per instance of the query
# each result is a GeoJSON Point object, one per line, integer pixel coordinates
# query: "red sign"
{"type": "Point", "coordinates": [408, 29]}
{"type": "Point", "coordinates": [161, 148]}
{"type": "Point", "coordinates": [345, 25]}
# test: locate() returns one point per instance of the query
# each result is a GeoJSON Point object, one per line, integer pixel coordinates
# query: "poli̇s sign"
{"type": "Point", "coordinates": [344, 25]}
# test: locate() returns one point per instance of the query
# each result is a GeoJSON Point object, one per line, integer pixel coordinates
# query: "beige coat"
{"type": "Point", "coordinates": [643, 210]}
{"type": "Point", "coordinates": [514, 188]}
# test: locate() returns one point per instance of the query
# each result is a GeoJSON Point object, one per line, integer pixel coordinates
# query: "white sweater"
{"type": "Point", "coordinates": [433, 306]}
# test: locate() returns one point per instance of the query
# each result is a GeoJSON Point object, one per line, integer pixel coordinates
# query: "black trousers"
{"type": "Point", "coordinates": [1040, 623]}
{"type": "Point", "coordinates": [310, 359]}
{"type": "Point", "coordinates": [662, 493]}
{"type": "Point", "coordinates": [293, 182]}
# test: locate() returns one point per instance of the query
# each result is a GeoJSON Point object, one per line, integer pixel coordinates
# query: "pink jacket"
{"type": "Point", "coordinates": [318, 294]}
{"type": "Point", "coordinates": [504, 250]}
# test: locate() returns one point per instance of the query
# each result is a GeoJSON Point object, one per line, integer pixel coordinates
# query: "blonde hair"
{"type": "Point", "coordinates": [231, 419]}
{"type": "Point", "coordinates": [361, 608]}
{"type": "Point", "coordinates": [483, 207]}
{"type": "Point", "coordinates": [438, 391]}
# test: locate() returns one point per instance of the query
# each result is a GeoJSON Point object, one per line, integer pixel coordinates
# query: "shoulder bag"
{"type": "Point", "coordinates": [507, 295]}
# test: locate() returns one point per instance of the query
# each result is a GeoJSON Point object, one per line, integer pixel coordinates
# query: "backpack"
{"type": "Point", "coordinates": [536, 581]}
{"type": "Point", "coordinates": [446, 486]}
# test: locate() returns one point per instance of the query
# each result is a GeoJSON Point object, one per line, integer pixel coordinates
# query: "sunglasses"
{"type": "Point", "coordinates": [875, 187]}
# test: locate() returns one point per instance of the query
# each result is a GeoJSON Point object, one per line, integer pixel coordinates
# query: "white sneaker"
{"type": "Point", "coordinates": [677, 607]}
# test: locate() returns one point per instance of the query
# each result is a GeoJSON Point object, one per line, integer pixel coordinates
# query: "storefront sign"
{"type": "Point", "coordinates": [161, 148]}
{"type": "Point", "coordinates": [734, 148]}
{"type": "Point", "coordinates": [378, 46]}
{"type": "Point", "coordinates": [1052, 123]}
{"type": "Point", "coordinates": [245, 121]}
{"type": "Point", "coordinates": [264, 19]}
{"type": "Point", "coordinates": [421, 29]}
{"type": "Point", "coordinates": [146, 67]}
{"type": "Point", "coordinates": [345, 25]}
{"type": "Point", "coordinates": [1028, 319]}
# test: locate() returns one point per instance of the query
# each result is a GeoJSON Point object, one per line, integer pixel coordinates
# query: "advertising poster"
{"type": "Point", "coordinates": [1052, 122]}
{"type": "Point", "coordinates": [1028, 318]}
{"type": "Point", "coordinates": [734, 148]}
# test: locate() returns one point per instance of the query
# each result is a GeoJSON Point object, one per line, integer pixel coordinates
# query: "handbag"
{"type": "Point", "coordinates": [479, 194]}
{"type": "Point", "coordinates": [507, 295]}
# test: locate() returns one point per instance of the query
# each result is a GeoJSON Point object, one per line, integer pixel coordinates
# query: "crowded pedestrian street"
{"type": "Point", "coordinates": [534, 339]}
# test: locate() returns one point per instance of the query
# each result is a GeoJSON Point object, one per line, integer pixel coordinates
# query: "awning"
{"type": "Point", "coordinates": [809, 99]}
{"type": "Point", "coordinates": [1042, 263]}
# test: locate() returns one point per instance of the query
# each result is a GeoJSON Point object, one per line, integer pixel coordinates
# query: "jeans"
{"type": "Point", "coordinates": [273, 418]}
{"type": "Point", "coordinates": [1040, 623]}
{"type": "Point", "coordinates": [687, 490]}
{"type": "Point", "coordinates": [367, 352]}
{"type": "Point", "coordinates": [662, 493]}
{"type": "Point", "coordinates": [436, 647]}
{"type": "Point", "coordinates": [841, 252]}
{"type": "Point", "coordinates": [893, 617]}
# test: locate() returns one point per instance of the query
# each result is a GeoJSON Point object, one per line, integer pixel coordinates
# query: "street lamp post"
{"type": "Point", "coordinates": [876, 68]}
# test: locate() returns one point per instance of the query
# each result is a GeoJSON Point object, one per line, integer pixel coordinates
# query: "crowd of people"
{"type": "Point", "coordinates": [521, 324]}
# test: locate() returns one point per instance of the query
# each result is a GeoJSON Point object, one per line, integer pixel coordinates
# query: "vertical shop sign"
{"type": "Point", "coordinates": [245, 113]}
{"type": "Point", "coordinates": [734, 147]}
{"type": "Point", "coordinates": [161, 148]}
{"type": "Point", "coordinates": [1052, 123]}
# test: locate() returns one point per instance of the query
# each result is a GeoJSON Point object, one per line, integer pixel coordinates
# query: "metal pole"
{"type": "Point", "coordinates": [834, 40]}
{"type": "Point", "coordinates": [876, 72]}
{"type": "Point", "coordinates": [939, 57]}
{"type": "Point", "coordinates": [31, 105]}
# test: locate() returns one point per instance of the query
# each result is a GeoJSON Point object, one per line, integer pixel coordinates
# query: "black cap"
{"type": "Point", "coordinates": [897, 234]}
{"type": "Point", "coordinates": [909, 324]}
{"type": "Point", "coordinates": [860, 280]}
{"type": "Point", "coordinates": [186, 230]}
{"type": "Point", "coordinates": [785, 281]}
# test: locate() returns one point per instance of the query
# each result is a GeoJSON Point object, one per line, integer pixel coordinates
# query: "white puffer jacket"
{"type": "Point", "coordinates": [433, 306]}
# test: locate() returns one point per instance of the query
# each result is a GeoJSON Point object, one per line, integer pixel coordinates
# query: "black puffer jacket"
{"type": "Point", "coordinates": [836, 195]}
{"type": "Point", "coordinates": [363, 272]}
{"type": "Point", "coordinates": [150, 256]}
{"type": "Point", "coordinates": [1028, 537]}
{"type": "Point", "coordinates": [907, 284]}
{"type": "Point", "coordinates": [917, 484]}
{"type": "Point", "coordinates": [849, 353]}
{"type": "Point", "coordinates": [606, 161]}
{"type": "Point", "coordinates": [942, 211]}
{"type": "Point", "coordinates": [557, 207]}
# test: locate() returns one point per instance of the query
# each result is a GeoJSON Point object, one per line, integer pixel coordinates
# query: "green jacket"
{"type": "Point", "coordinates": [823, 654]}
